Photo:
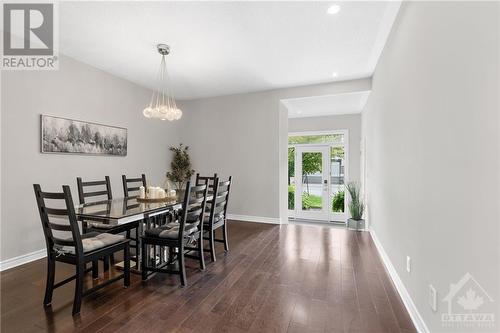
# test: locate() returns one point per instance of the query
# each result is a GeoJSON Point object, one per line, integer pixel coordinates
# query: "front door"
{"type": "Point", "coordinates": [313, 186]}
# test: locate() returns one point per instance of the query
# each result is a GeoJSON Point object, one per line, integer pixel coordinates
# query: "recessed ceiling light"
{"type": "Point", "coordinates": [335, 74]}
{"type": "Point", "coordinates": [333, 9]}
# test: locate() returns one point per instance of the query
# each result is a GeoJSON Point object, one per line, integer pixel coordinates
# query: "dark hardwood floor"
{"type": "Point", "coordinates": [292, 278]}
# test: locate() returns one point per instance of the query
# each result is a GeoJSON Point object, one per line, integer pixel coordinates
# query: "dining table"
{"type": "Point", "coordinates": [123, 211]}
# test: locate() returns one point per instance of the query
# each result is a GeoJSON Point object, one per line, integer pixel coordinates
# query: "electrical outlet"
{"type": "Point", "coordinates": [432, 298]}
{"type": "Point", "coordinates": [408, 264]}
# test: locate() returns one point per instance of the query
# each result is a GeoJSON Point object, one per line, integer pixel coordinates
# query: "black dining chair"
{"type": "Point", "coordinates": [97, 191]}
{"type": "Point", "coordinates": [131, 188]}
{"type": "Point", "coordinates": [77, 250]}
{"type": "Point", "coordinates": [179, 235]}
{"type": "Point", "coordinates": [216, 217]}
{"type": "Point", "coordinates": [210, 180]}
{"type": "Point", "coordinates": [131, 185]}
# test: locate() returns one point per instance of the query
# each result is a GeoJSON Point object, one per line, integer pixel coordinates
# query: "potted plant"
{"type": "Point", "coordinates": [356, 207]}
{"type": "Point", "coordinates": [181, 167]}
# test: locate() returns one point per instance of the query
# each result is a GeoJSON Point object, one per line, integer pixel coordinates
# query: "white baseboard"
{"type": "Point", "coordinates": [257, 219]}
{"type": "Point", "coordinates": [417, 319]}
{"type": "Point", "coordinates": [23, 259]}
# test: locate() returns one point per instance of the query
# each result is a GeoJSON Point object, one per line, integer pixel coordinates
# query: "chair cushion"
{"type": "Point", "coordinates": [93, 241]}
{"type": "Point", "coordinates": [192, 219]}
{"type": "Point", "coordinates": [171, 230]}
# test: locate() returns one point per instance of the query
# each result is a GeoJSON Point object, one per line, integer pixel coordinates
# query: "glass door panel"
{"type": "Point", "coordinates": [337, 182]}
{"type": "Point", "coordinates": [312, 191]}
{"type": "Point", "coordinates": [291, 179]}
{"type": "Point", "coordinates": [312, 180]}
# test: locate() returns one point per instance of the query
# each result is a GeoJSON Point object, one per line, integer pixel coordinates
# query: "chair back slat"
{"type": "Point", "coordinates": [195, 199]}
{"type": "Point", "coordinates": [193, 213]}
{"type": "Point", "coordinates": [63, 242]}
{"type": "Point", "coordinates": [95, 194]}
{"type": "Point", "coordinates": [198, 189]}
{"type": "Point", "coordinates": [226, 183]}
{"type": "Point", "coordinates": [131, 185]}
{"type": "Point", "coordinates": [49, 227]}
{"type": "Point", "coordinates": [60, 227]}
{"type": "Point", "coordinates": [56, 211]}
{"type": "Point", "coordinates": [52, 195]}
{"type": "Point", "coordinates": [221, 203]}
{"type": "Point", "coordinates": [94, 183]}
{"type": "Point", "coordinates": [83, 193]}
{"type": "Point", "coordinates": [222, 194]}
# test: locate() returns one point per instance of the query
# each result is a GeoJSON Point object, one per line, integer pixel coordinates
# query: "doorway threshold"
{"type": "Point", "coordinates": [322, 223]}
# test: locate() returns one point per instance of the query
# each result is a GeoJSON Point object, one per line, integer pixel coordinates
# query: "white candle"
{"type": "Point", "coordinates": [142, 192]}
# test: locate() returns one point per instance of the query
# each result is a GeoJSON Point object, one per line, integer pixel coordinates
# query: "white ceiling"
{"type": "Point", "coordinates": [221, 48]}
{"type": "Point", "coordinates": [347, 103]}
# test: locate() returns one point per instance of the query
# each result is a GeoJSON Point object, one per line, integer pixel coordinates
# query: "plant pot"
{"type": "Point", "coordinates": [358, 225]}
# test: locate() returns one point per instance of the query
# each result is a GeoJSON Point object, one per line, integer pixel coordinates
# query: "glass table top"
{"type": "Point", "coordinates": [121, 208]}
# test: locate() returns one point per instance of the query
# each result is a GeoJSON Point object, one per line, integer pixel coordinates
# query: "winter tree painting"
{"type": "Point", "coordinates": [60, 135]}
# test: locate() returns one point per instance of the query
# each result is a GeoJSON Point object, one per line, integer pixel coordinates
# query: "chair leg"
{"type": "Point", "coordinates": [182, 267]}
{"type": "Point", "coordinates": [200, 253]}
{"type": "Point", "coordinates": [171, 254]}
{"type": "Point", "coordinates": [211, 239]}
{"type": "Point", "coordinates": [127, 236]}
{"type": "Point", "coordinates": [144, 261]}
{"type": "Point", "coordinates": [136, 246]}
{"type": "Point", "coordinates": [49, 287]}
{"type": "Point", "coordinates": [224, 234]}
{"type": "Point", "coordinates": [95, 269]}
{"type": "Point", "coordinates": [80, 269]}
{"type": "Point", "coordinates": [106, 264]}
{"type": "Point", "coordinates": [126, 267]}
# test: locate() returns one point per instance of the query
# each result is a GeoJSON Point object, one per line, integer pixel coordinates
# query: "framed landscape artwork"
{"type": "Point", "coordinates": [67, 136]}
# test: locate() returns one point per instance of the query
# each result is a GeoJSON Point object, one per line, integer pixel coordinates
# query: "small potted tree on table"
{"type": "Point", "coordinates": [356, 207]}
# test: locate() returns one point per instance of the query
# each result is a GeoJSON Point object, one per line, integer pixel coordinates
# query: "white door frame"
{"type": "Point", "coordinates": [331, 216]}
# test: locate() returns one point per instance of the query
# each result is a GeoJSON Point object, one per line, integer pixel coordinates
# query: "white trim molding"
{"type": "Point", "coordinates": [417, 319]}
{"type": "Point", "coordinates": [257, 219]}
{"type": "Point", "coordinates": [22, 259]}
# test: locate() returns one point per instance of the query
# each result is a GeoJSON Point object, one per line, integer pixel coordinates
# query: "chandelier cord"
{"type": "Point", "coordinates": [163, 105]}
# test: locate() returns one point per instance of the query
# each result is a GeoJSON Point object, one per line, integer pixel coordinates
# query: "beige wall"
{"type": "Point", "coordinates": [245, 136]}
{"type": "Point", "coordinates": [350, 122]}
{"type": "Point", "coordinates": [75, 91]}
{"type": "Point", "coordinates": [432, 144]}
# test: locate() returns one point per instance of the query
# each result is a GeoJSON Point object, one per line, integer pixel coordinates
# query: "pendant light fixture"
{"type": "Point", "coordinates": [162, 105]}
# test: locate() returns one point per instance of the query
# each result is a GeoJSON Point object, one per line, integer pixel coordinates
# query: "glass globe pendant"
{"type": "Point", "coordinates": [162, 105]}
